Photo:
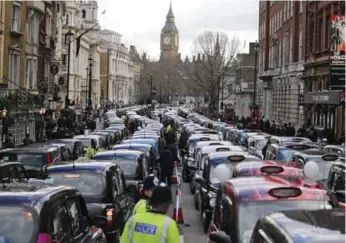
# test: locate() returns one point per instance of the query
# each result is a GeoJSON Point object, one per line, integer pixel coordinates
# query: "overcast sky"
{"type": "Point", "coordinates": [140, 22]}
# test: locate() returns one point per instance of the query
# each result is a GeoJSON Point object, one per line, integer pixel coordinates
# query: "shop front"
{"type": "Point", "coordinates": [327, 110]}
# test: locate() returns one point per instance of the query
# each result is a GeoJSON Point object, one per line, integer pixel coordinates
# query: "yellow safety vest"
{"type": "Point", "coordinates": [150, 227]}
{"type": "Point", "coordinates": [169, 128]}
{"type": "Point", "coordinates": [123, 118]}
{"type": "Point", "coordinates": [90, 151]}
{"type": "Point", "coordinates": [140, 207]}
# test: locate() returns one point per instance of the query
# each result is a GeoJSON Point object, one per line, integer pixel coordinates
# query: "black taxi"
{"type": "Point", "coordinates": [284, 151]}
{"type": "Point", "coordinates": [103, 188]}
{"type": "Point", "coordinates": [210, 181]}
{"type": "Point", "coordinates": [301, 226]}
{"type": "Point", "coordinates": [336, 181]}
{"type": "Point", "coordinates": [33, 158]}
{"type": "Point", "coordinates": [46, 214]}
{"type": "Point", "coordinates": [240, 202]}
{"type": "Point", "coordinates": [12, 172]}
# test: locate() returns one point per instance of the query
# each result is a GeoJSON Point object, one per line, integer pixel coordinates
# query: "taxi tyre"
{"type": "Point", "coordinates": [185, 176]}
{"type": "Point", "coordinates": [192, 187]}
{"type": "Point", "coordinates": [196, 200]}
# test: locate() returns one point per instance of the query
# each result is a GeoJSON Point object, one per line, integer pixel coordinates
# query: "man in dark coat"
{"type": "Point", "coordinates": [166, 165]}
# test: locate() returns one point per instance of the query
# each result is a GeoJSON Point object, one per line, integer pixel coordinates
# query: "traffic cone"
{"type": "Point", "coordinates": [178, 211]}
{"type": "Point", "coordinates": [175, 178]}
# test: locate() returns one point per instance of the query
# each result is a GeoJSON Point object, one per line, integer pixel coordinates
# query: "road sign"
{"type": "Point", "coordinates": [54, 69]}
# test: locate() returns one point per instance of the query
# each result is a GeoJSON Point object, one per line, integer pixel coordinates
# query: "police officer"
{"type": "Point", "coordinates": [92, 149]}
{"type": "Point", "coordinates": [153, 226]}
{"type": "Point", "coordinates": [149, 185]}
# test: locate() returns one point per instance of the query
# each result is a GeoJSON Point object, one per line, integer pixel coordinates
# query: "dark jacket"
{"type": "Point", "coordinates": [166, 160]}
{"type": "Point", "coordinates": [174, 150]}
{"type": "Point", "coordinates": [170, 137]}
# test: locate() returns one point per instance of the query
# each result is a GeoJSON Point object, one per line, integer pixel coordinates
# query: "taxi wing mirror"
{"type": "Point", "coordinates": [340, 196]}
{"type": "Point", "coordinates": [100, 222]}
{"type": "Point", "coordinates": [200, 181]}
{"type": "Point", "coordinates": [219, 237]}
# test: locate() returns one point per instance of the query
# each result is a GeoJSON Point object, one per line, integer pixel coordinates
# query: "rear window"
{"type": "Point", "coordinates": [24, 221]}
{"type": "Point", "coordinates": [85, 141]}
{"type": "Point", "coordinates": [89, 184]}
{"type": "Point", "coordinates": [285, 154]}
{"type": "Point", "coordinates": [27, 159]}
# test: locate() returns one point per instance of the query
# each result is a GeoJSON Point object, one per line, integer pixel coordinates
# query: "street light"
{"type": "Point", "coordinates": [4, 125]}
{"type": "Point", "coordinates": [90, 60]}
{"type": "Point", "coordinates": [256, 46]}
{"type": "Point", "coordinates": [42, 111]}
{"type": "Point", "coordinates": [68, 36]}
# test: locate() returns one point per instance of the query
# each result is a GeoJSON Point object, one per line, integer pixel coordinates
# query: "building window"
{"type": "Point", "coordinates": [13, 71]}
{"type": "Point", "coordinates": [83, 14]}
{"type": "Point", "coordinates": [32, 28]}
{"type": "Point", "coordinates": [63, 59]}
{"type": "Point", "coordinates": [291, 48]}
{"type": "Point", "coordinates": [301, 6]}
{"type": "Point", "coordinates": [319, 35]}
{"type": "Point", "coordinates": [27, 73]}
{"type": "Point", "coordinates": [311, 37]}
{"type": "Point", "coordinates": [327, 30]}
{"type": "Point", "coordinates": [67, 19]}
{"type": "Point", "coordinates": [301, 45]}
{"type": "Point", "coordinates": [15, 17]}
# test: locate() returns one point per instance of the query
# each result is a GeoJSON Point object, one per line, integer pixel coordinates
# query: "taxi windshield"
{"type": "Point", "coordinates": [85, 141]}
{"type": "Point", "coordinates": [89, 184]}
{"type": "Point", "coordinates": [285, 154]}
{"type": "Point", "coordinates": [21, 219]}
{"type": "Point", "coordinates": [27, 159]}
{"type": "Point", "coordinates": [256, 209]}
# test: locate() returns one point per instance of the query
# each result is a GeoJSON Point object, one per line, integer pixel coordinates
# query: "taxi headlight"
{"type": "Point", "coordinates": [212, 202]}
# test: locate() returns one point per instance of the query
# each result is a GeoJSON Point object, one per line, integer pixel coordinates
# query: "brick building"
{"type": "Point", "coordinates": [294, 62]}
{"type": "Point", "coordinates": [281, 60]}
{"type": "Point", "coordinates": [322, 100]}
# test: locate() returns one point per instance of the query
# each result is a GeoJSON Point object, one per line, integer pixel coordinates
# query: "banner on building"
{"type": "Point", "coordinates": [337, 52]}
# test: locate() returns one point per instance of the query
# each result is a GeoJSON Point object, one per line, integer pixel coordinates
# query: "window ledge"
{"type": "Point", "coordinates": [16, 33]}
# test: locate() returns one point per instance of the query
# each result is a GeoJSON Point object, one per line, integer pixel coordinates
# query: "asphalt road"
{"type": "Point", "coordinates": [193, 230]}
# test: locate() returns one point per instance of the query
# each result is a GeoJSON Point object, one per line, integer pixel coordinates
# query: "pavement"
{"type": "Point", "coordinates": [193, 228]}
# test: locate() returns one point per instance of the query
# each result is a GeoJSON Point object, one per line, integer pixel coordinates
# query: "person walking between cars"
{"type": "Point", "coordinates": [92, 149]}
{"type": "Point", "coordinates": [166, 165]}
{"type": "Point", "coordinates": [27, 140]}
{"type": "Point", "coordinates": [149, 184]}
{"type": "Point", "coordinates": [153, 226]}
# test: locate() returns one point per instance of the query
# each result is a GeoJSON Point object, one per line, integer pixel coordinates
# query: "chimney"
{"type": "Point", "coordinates": [203, 57]}
{"type": "Point", "coordinates": [199, 57]}
{"type": "Point", "coordinates": [194, 59]}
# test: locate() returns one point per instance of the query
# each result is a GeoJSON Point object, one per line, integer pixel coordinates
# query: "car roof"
{"type": "Point", "coordinates": [32, 149]}
{"type": "Point", "coordinates": [214, 148]}
{"type": "Point", "coordinates": [216, 155]}
{"type": "Point", "coordinates": [78, 166]}
{"type": "Point", "coordinates": [311, 225]}
{"type": "Point", "coordinates": [19, 193]}
{"type": "Point", "coordinates": [257, 189]}
{"type": "Point", "coordinates": [134, 145]}
{"type": "Point", "coordinates": [119, 152]}
{"type": "Point", "coordinates": [138, 139]}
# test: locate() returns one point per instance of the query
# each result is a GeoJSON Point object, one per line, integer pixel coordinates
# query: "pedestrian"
{"type": "Point", "coordinates": [149, 184]}
{"type": "Point", "coordinates": [264, 149]}
{"type": "Point", "coordinates": [166, 162]}
{"type": "Point", "coordinates": [27, 140]}
{"type": "Point", "coordinates": [9, 141]}
{"type": "Point", "coordinates": [92, 149]}
{"type": "Point", "coordinates": [153, 226]}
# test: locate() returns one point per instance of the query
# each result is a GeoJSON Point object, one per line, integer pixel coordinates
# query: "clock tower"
{"type": "Point", "coordinates": [169, 37]}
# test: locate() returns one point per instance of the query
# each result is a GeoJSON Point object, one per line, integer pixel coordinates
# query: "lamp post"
{"type": "Point", "coordinates": [222, 86]}
{"type": "Point", "coordinates": [256, 46]}
{"type": "Point", "coordinates": [68, 36]}
{"type": "Point", "coordinates": [90, 59]}
{"type": "Point", "coordinates": [86, 87]}
{"type": "Point", "coordinates": [41, 133]}
{"type": "Point", "coordinates": [4, 125]}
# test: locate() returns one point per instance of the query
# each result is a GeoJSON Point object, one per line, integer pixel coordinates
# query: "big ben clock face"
{"type": "Point", "coordinates": [166, 40]}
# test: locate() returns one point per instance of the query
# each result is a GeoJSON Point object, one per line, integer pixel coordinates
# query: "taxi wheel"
{"type": "Point", "coordinates": [185, 176]}
{"type": "Point", "coordinates": [192, 188]}
{"type": "Point", "coordinates": [201, 209]}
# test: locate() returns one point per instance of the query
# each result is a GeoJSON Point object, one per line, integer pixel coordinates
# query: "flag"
{"type": "Point", "coordinates": [104, 11]}
{"type": "Point", "coordinates": [78, 44]}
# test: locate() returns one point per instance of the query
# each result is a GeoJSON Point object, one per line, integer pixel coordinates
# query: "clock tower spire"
{"type": "Point", "coordinates": [169, 37]}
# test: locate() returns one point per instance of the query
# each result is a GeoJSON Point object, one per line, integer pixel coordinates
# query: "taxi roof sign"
{"type": "Point", "coordinates": [222, 149]}
{"type": "Point", "coordinates": [204, 139]}
{"type": "Point", "coordinates": [298, 146]}
{"type": "Point", "coordinates": [285, 192]}
{"type": "Point", "coordinates": [72, 175]}
{"type": "Point", "coordinates": [236, 158]}
{"type": "Point", "coordinates": [272, 169]}
{"type": "Point", "coordinates": [330, 157]}
{"type": "Point", "coordinates": [213, 144]}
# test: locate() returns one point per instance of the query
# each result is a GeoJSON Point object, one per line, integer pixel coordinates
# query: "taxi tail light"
{"type": "Point", "coordinates": [49, 159]}
{"type": "Point", "coordinates": [109, 216]}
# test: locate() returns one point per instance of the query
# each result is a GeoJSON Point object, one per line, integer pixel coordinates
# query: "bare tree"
{"type": "Point", "coordinates": [215, 52]}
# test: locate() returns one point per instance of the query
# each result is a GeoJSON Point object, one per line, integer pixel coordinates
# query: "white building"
{"type": "Point", "coordinates": [81, 19]}
{"type": "Point", "coordinates": [119, 75]}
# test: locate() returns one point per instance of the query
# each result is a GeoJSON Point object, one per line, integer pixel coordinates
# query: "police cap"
{"type": "Point", "coordinates": [161, 195]}
{"type": "Point", "coordinates": [150, 182]}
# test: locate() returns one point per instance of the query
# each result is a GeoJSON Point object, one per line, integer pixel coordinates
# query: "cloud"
{"type": "Point", "coordinates": [141, 25]}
